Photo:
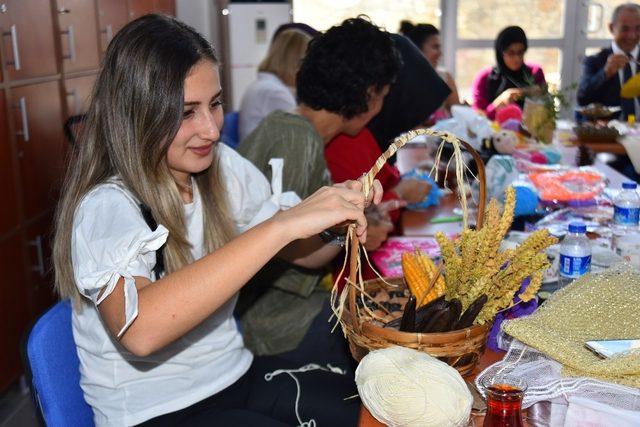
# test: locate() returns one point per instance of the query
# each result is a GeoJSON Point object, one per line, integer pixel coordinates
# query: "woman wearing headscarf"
{"type": "Point", "coordinates": [510, 80]}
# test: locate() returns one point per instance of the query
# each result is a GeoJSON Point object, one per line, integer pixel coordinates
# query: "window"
{"type": "Point", "coordinates": [322, 14]}
{"type": "Point", "coordinates": [599, 16]}
{"type": "Point", "coordinates": [560, 32]}
{"type": "Point", "coordinates": [483, 19]}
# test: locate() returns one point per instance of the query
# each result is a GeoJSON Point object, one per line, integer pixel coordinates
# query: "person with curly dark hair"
{"type": "Point", "coordinates": [341, 84]}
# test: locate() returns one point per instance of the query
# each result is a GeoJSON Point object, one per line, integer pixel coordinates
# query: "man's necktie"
{"type": "Point", "coordinates": [628, 105]}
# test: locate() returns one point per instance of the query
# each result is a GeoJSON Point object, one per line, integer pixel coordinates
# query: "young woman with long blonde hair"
{"type": "Point", "coordinates": [148, 246]}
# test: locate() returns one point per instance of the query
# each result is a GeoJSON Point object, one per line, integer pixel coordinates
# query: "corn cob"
{"type": "Point", "coordinates": [418, 271]}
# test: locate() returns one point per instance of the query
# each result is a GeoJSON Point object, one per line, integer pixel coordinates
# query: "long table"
{"type": "Point", "coordinates": [418, 223]}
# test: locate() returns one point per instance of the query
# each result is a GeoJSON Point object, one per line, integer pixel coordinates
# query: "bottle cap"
{"type": "Point", "coordinates": [577, 227]}
{"type": "Point", "coordinates": [629, 185]}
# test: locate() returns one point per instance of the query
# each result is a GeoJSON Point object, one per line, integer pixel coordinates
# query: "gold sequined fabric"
{"type": "Point", "coordinates": [594, 307]}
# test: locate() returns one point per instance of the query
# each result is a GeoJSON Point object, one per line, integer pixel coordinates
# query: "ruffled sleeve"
{"type": "Point", "coordinates": [110, 240]}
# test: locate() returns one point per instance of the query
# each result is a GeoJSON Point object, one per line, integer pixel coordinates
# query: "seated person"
{"type": "Point", "coordinates": [511, 79]}
{"type": "Point", "coordinates": [604, 73]}
{"type": "Point", "coordinates": [351, 156]}
{"type": "Point", "coordinates": [339, 89]}
{"type": "Point", "coordinates": [150, 249]}
{"type": "Point", "coordinates": [427, 38]}
{"type": "Point", "coordinates": [410, 94]}
{"type": "Point", "coordinates": [273, 89]}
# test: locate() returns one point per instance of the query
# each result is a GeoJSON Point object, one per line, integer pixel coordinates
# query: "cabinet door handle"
{"type": "Point", "coordinates": [13, 33]}
{"type": "Point", "coordinates": [22, 106]}
{"type": "Point", "coordinates": [72, 43]}
{"type": "Point", "coordinates": [74, 106]}
{"type": "Point", "coordinates": [108, 32]}
{"type": "Point", "coordinates": [39, 267]}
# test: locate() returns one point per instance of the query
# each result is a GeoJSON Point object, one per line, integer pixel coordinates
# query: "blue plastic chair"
{"type": "Point", "coordinates": [53, 365]}
{"type": "Point", "coordinates": [231, 129]}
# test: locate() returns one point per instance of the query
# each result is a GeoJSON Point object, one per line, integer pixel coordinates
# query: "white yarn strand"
{"type": "Point", "coordinates": [306, 368]}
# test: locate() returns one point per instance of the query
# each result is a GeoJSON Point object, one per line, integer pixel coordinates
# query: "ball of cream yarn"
{"type": "Point", "coordinates": [405, 387]}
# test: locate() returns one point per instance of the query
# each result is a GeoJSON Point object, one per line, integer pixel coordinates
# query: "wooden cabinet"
{"type": "Point", "coordinates": [40, 143]}
{"type": "Point", "coordinates": [77, 21]}
{"type": "Point", "coordinates": [28, 46]}
{"type": "Point", "coordinates": [39, 265]}
{"type": "Point", "coordinates": [112, 16]}
{"type": "Point", "coordinates": [9, 219]}
{"type": "Point", "coordinates": [50, 52]}
{"type": "Point", "coordinates": [78, 92]}
{"type": "Point", "coordinates": [14, 315]}
{"type": "Point", "coordinates": [137, 8]}
{"type": "Point", "coordinates": [167, 7]}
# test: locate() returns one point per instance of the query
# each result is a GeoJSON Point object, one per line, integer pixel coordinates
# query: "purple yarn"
{"type": "Point", "coordinates": [511, 124]}
{"type": "Point", "coordinates": [519, 310]}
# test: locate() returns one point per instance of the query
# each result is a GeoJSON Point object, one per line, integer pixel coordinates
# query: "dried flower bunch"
{"type": "Point", "coordinates": [475, 266]}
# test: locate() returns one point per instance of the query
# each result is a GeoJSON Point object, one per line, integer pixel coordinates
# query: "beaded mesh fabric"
{"type": "Point", "coordinates": [596, 306]}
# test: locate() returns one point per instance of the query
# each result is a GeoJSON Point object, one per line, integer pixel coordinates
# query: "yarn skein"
{"type": "Point", "coordinates": [404, 387]}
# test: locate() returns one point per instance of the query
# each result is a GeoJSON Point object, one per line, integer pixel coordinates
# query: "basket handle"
{"type": "Point", "coordinates": [398, 143]}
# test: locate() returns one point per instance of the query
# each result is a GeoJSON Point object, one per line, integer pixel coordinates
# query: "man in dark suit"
{"type": "Point", "coordinates": [605, 72]}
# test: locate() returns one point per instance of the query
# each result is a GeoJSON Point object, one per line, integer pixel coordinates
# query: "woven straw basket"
{"type": "Point", "coordinates": [461, 349]}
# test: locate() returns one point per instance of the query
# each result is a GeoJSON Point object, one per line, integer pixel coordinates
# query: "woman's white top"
{"type": "Point", "coordinates": [110, 241]}
{"type": "Point", "coordinates": [266, 94]}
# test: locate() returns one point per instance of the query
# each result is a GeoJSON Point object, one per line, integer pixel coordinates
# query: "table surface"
{"type": "Point", "coordinates": [604, 147]}
{"type": "Point", "coordinates": [418, 223]}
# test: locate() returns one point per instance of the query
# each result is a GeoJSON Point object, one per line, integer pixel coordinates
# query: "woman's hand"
{"type": "Point", "coordinates": [412, 190]}
{"type": "Point", "coordinates": [375, 195]}
{"type": "Point", "coordinates": [325, 208]}
{"type": "Point", "coordinates": [507, 97]}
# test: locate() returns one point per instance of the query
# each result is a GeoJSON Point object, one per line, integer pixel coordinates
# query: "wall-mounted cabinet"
{"type": "Point", "coordinates": [137, 8]}
{"type": "Point", "coordinates": [49, 56]}
{"type": "Point", "coordinates": [78, 94]}
{"type": "Point", "coordinates": [40, 144]}
{"type": "Point", "coordinates": [28, 46]}
{"type": "Point", "coordinates": [112, 15]}
{"type": "Point", "coordinates": [9, 218]}
{"type": "Point", "coordinates": [39, 265]}
{"type": "Point", "coordinates": [14, 308]}
{"type": "Point", "coordinates": [77, 21]}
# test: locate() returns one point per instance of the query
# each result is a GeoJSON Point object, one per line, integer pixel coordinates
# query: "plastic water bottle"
{"type": "Point", "coordinates": [575, 254]}
{"type": "Point", "coordinates": [626, 207]}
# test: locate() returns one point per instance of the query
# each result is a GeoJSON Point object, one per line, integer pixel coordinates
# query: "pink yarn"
{"type": "Point", "coordinates": [511, 111]}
